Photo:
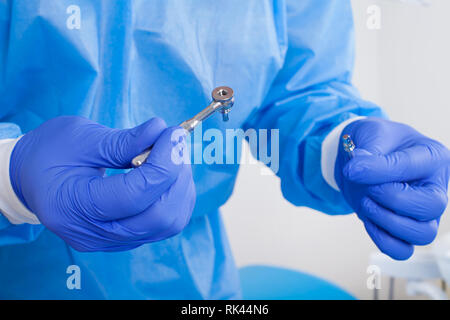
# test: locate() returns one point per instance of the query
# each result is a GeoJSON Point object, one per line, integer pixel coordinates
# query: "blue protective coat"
{"type": "Point", "coordinates": [289, 62]}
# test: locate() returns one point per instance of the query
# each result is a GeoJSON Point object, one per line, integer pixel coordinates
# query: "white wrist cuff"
{"type": "Point", "coordinates": [10, 205]}
{"type": "Point", "coordinates": [330, 147]}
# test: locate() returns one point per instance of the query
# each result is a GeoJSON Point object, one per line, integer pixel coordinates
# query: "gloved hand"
{"type": "Point", "coordinates": [396, 182]}
{"type": "Point", "coordinates": [57, 172]}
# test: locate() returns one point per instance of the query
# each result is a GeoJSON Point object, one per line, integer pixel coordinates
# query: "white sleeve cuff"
{"type": "Point", "coordinates": [330, 147]}
{"type": "Point", "coordinates": [10, 205]}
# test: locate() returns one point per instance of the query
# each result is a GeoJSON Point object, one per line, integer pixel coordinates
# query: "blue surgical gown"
{"type": "Point", "coordinates": [122, 62]}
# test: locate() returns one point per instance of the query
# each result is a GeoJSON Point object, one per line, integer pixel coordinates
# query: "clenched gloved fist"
{"type": "Point", "coordinates": [57, 171]}
{"type": "Point", "coordinates": [396, 182]}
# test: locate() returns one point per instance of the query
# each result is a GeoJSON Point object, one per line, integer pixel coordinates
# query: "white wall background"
{"type": "Point", "coordinates": [404, 67]}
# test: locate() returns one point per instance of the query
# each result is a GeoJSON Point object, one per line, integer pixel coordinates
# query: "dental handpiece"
{"type": "Point", "coordinates": [222, 101]}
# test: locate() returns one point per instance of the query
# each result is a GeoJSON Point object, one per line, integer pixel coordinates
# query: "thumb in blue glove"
{"type": "Point", "coordinates": [396, 183]}
{"type": "Point", "coordinates": [57, 171]}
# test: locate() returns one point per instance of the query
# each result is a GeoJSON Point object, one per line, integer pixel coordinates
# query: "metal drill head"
{"type": "Point", "coordinates": [348, 143]}
{"type": "Point", "coordinates": [224, 95]}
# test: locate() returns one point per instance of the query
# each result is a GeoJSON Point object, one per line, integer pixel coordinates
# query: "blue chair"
{"type": "Point", "coordinates": [274, 283]}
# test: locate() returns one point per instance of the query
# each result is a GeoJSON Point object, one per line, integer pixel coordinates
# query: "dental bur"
{"type": "Point", "coordinates": [223, 101]}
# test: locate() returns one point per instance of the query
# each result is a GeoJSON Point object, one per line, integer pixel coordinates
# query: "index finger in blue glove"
{"type": "Point", "coordinates": [163, 219]}
{"type": "Point", "coordinates": [422, 202]}
{"type": "Point", "coordinates": [404, 228]}
{"type": "Point", "coordinates": [167, 216]}
{"type": "Point", "coordinates": [128, 194]}
{"type": "Point", "coordinates": [413, 163]}
{"type": "Point", "coordinates": [393, 247]}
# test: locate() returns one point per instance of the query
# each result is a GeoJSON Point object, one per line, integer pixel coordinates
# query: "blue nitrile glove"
{"type": "Point", "coordinates": [396, 182]}
{"type": "Point", "coordinates": [57, 172]}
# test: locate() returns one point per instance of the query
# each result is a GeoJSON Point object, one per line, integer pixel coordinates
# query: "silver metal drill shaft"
{"type": "Point", "coordinates": [223, 101]}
